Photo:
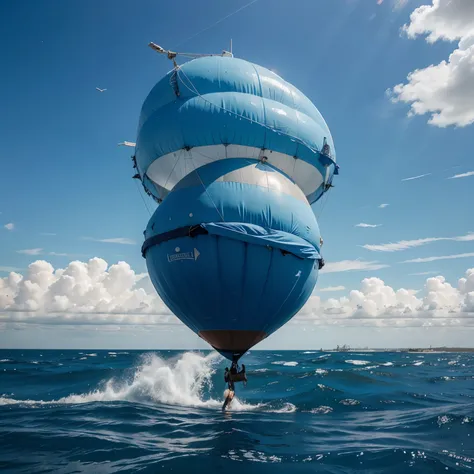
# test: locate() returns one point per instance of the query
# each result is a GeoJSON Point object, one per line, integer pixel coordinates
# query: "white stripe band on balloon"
{"type": "Point", "coordinates": [169, 169]}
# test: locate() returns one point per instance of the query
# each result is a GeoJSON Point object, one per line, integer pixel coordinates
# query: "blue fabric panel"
{"type": "Point", "coordinates": [297, 288]}
{"type": "Point", "coordinates": [296, 275]}
{"type": "Point", "coordinates": [256, 276]}
{"type": "Point", "coordinates": [235, 202]}
{"type": "Point", "coordinates": [161, 95]}
{"type": "Point", "coordinates": [223, 118]}
{"type": "Point", "coordinates": [221, 74]}
{"type": "Point", "coordinates": [231, 284]}
{"type": "Point", "coordinates": [213, 74]}
{"type": "Point", "coordinates": [200, 122]}
{"type": "Point", "coordinates": [257, 235]}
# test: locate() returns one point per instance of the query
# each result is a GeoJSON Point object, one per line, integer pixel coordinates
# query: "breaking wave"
{"type": "Point", "coordinates": [357, 362]}
{"type": "Point", "coordinates": [184, 382]}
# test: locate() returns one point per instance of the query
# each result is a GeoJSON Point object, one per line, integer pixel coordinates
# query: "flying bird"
{"type": "Point", "coordinates": [100, 90]}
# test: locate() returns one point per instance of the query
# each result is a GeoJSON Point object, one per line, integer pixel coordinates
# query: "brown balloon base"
{"type": "Point", "coordinates": [232, 344]}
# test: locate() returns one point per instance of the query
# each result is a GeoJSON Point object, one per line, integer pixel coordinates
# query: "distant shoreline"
{"type": "Point", "coordinates": [424, 350]}
{"type": "Point", "coordinates": [441, 349]}
{"type": "Point", "coordinates": [414, 350]}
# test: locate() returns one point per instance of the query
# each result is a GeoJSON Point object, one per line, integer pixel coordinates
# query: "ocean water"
{"type": "Point", "coordinates": [301, 412]}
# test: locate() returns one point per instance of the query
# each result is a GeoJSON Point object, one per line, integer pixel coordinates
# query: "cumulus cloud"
{"type": "Point", "coordinates": [444, 257]}
{"type": "Point", "coordinates": [115, 240]}
{"type": "Point", "coordinates": [83, 292]}
{"type": "Point", "coordinates": [351, 265]}
{"type": "Point", "coordinates": [9, 226]}
{"type": "Point", "coordinates": [36, 251]}
{"type": "Point", "coordinates": [444, 90]}
{"type": "Point", "coordinates": [462, 175]}
{"type": "Point", "coordinates": [376, 303]}
{"type": "Point", "coordinates": [416, 177]}
{"type": "Point", "coordinates": [442, 20]}
{"type": "Point", "coordinates": [362, 224]}
{"type": "Point", "coordinates": [383, 206]}
{"type": "Point", "coordinates": [94, 293]}
{"type": "Point", "coordinates": [408, 244]}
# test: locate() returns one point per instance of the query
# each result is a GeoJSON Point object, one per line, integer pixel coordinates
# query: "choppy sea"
{"type": "Point", "coordinates": [308, 411]}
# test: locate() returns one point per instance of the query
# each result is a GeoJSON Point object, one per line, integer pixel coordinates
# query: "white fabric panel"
{"type": "Point", "coordinates": [271, 180]}
{"type": "Point", "coordinates": [169, 169]}
{"type": "Point", "coordinates": [308, 178]}
{"type": "Point", "coordinates": [282, 162]}
{"type": "Point", "coordinates": [239, 151]}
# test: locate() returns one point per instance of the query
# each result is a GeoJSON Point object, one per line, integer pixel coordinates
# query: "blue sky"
{"type": "Point", "coordinates": [63, 174]}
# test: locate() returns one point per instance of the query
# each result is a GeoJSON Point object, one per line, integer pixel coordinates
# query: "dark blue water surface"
{"type": "Point", "coordinates": [325, 412]}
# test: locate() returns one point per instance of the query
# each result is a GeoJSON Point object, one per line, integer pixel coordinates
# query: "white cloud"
{"type": "Point", "coordinates": [434, 259]}
{"type": "Point", "coordinates": [9, 226]}
{"type": "Point", "coordinates": [31, 251]}
{"type": "Point", "coordinates": [351, 265]}
{"type": "Point", "coordinates": [57, 254]}
{"type": "Point", "coordinates": [362, 224]}
{"type": "Point", "coordinates": [408, 244]}
{"type": "Point", "coordinates": [47, 233]}
{"type": "Point", "coordinates": [442, 20]}
{"type": "Point", "coordinates": [444, 90]}
{"type": "Point", "coordinates": [332, 288]}
{"type": "Point", "coordinates": [116, 240]}
{"type": "Point", "coordinates": [383, 206]}
{"type": "Point", "coordinates": [94, 293]}
{"type": "Point", "coordinates": [82, 293]}
{"type": "Point", "coordinates": [462, 175]}
{"type": "Point", "coordinates": [375, 303]}
{"type": "Point", "coordinates": [416, 177]}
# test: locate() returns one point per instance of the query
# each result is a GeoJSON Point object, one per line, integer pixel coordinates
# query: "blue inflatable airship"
{"type": "Point", "coordinates": [235, 156]}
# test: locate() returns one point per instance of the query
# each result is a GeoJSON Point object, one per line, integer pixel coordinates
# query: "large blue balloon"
{"type": "Point", "coordinates": [235, 156]}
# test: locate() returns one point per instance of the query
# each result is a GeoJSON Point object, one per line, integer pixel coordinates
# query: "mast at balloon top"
{"type": "Point", "coordinates": [172, 54]}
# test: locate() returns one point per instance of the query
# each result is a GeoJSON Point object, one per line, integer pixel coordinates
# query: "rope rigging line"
{"type": "Point", "coordinates": [209, 158]}
{"type": "Point", "coordinates": [172, 170]}
{"type": "Point", "coordinates": [216, 23]}
{"type": "Point", "coordinates": [324, 201]}
{"type": "Point", "coordinates": [141, 195]}
{"type": "Point", "coordinates": [286, 299]}
{"type": "Point", "coordinates": [205, 189]}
